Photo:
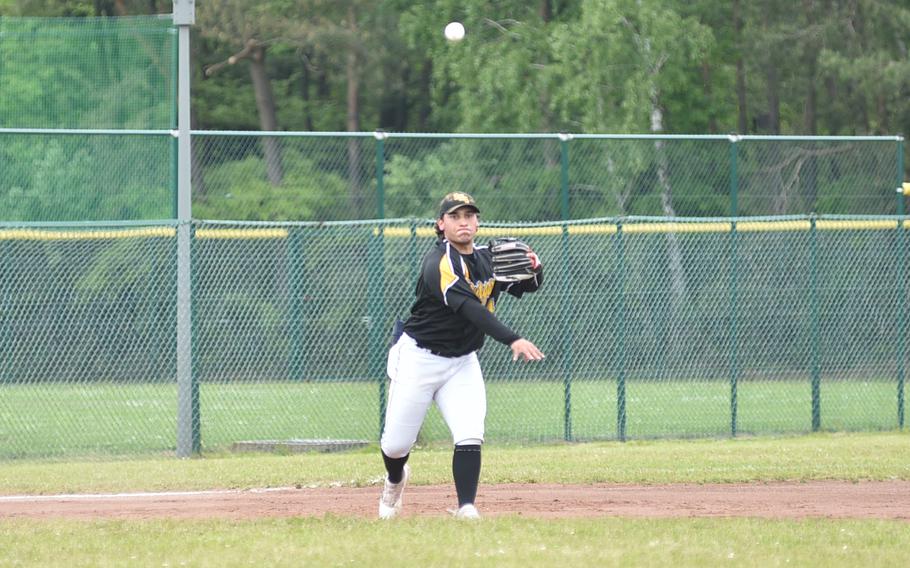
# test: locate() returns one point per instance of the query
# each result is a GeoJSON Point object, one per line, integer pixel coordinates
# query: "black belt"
{"type": "Point", "coordinates": [437, 353]}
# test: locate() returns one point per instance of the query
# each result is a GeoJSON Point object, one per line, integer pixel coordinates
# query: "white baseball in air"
{"type": "Point", "coordinates": [454, 31]}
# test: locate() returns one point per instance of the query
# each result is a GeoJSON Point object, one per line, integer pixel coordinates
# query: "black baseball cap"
{"type": "Point", "coordinates": [456, 200]}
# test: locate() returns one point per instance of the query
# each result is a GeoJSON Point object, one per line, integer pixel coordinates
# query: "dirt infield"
{"type": "Point", "coordinates": [825, 499]}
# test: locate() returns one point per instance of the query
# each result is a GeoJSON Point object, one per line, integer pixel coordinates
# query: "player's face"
{"type": "Point", "coordinates": [459, 226]}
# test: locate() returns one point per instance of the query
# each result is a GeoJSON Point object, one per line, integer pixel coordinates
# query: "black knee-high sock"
{"type": "Point", "coordinates": [466, 471]}
{"type": "Point", "coordinates": [394, 467]}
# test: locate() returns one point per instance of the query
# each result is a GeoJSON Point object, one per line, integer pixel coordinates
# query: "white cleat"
{"type": "Point", "coordinates": [467, 512]}
{"type": "Point", "coordinates": [390, 501]}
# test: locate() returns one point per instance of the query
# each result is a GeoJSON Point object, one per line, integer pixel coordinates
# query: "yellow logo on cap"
{"type": "Point", "coordinates": [458, 196]}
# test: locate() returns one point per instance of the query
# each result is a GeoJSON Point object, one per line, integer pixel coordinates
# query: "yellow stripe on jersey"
{"type": "Point", "coordinates": [447, 277]}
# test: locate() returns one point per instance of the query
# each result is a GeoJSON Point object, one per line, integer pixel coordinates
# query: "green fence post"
{"type": "Point", "coordinates": [195, 412]}
{"type": "Point", "coordinates": [734, 175]}
{"type": "Point", "coordinates": [375, 309]}
{"type": "Point", "coordinates": [814, 299]}
{"type": "Point", "coordinates": [566, 304]}
{"type": "Point", "coordinates": [380, 137]}
{"type": "Point", "coordinates": [296, 301]}
{"type": "Point", "coordinates": [6, 309]}
{"type": "Point", "coordinates": [900, 175]}
{"type": "Point", "coordinates": [621, 339]}
{"type": "Point", "coordinates": [902, 285]}
{"type": "Point", "coordinates": [734, 328]}
{"type": "Point", "coordinates": [903, 254]}
{"type": "Point", "coordinates": [377, 283]}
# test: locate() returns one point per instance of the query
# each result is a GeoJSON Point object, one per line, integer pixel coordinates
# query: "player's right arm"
{"type": "Point", "coordinates": [524, 349]}
{"type": "Point", "coordinates": [484, 320]}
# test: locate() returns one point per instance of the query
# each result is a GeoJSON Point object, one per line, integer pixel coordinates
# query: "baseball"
{"type": "Point", "coordinates": [454, 31]}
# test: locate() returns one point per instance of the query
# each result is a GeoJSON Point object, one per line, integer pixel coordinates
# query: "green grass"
{"type": "Point", "coordinates": [878, 456]}
{"type": "Point", "coordinates": [500, 541]}
{"type": "Point", "coordinates": [504, 542]}
{"type": "Point", "coordinates": [73, 420]}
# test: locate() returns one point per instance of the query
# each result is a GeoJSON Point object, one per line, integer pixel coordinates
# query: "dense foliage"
{"type": "Point", "coordinates": [816, 67]}
{"type": "Point", "coordinates": [813, 67]}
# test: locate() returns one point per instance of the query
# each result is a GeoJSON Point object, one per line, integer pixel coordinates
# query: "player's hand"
{"type": "Point", "coordinates": [524, 349]}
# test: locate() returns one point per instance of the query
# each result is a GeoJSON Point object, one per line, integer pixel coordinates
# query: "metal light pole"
{"type": "Point", "coordinates": [188, 440]}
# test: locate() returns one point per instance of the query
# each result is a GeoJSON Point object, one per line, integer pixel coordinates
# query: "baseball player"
{"type": "Point", "coordinates": [435, 358]}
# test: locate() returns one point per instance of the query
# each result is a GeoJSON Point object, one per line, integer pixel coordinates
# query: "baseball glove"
{"type": "Point", "coordinates": [513, 260]}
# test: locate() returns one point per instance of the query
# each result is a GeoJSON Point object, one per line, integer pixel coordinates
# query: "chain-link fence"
{"type": "Point", "coordinates": [87, 72]}
{"type": "Point", "coordinates": [337, 176]}
{"type": "Point", "coordinates": [86, 108]}
{"type": "Point", "coordinates": [72, 175]}
{"type": "Point", "coordinates": [90, 176]}
{"type": "Point", "coordinates": [703, 320]}
{"type": "Point", "coordinates": [652, 328]}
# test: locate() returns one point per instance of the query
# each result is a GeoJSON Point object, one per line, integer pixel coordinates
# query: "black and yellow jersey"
{"type": "Point", "coordinates": [451, 286]}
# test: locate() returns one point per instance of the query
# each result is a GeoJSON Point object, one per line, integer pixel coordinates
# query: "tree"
{"type": "Point", "coordinates": [499, 78]}
{"type": "Point", "coordinates": [623, 63]}
{"type": "Point", "coordinates": [251, 28]}
{"type": "Point", "coordinates": [869, 68]}
{"type": "Point", "coordinates": [352, 38]}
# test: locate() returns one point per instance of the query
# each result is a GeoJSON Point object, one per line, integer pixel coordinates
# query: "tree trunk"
{"type": "Point", "coordinates": [551, 152]}
{"type": "Point", "coordinates": [353, 120]}
{"type": "Point", "coordinates": [811, 61]}
{"type": "Point", "coordinates": [403, 102]}
{"type": "Point", "coordinates": [742, 122]}
{"type": "Point", "coordinates": [101, 8]}
{"type": "Point", "coordinates": [677, 274]}
{"type": "Point", "coordinates": [425, 107]}
{"type": "Point", "coordinates": [810, 116]}
{"type": "Point", "coordinates": [834, 118]}
{"type": "Point", "coordinates": [304, 86]}
{"type": "Point", "coordinates": [675, 349]}
{"type": "Point", "coordinates": [545, 9]}
{"type": "Point", "coordinates": [881, 106]}
{"type": "Point", "coordinates": [773, 99]}
{"type": "Point", "coordinates": [706, 86]}
{"type": "Point", "coordinates": [773, 86]}
{"type": "Point", "coordinates": [265, 103]}
{"type": "Point", "coordinates": [654, 63]}
{"type": "Point", "coordinates": [810, 177]}
{"type": "Point", "coordinates": [323, 89]}
{"type": "Point", "coordinates": [743, 117]}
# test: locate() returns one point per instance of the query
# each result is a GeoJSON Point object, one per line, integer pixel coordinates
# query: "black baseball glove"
{"type": "Point", "coordinates": [513, 260]}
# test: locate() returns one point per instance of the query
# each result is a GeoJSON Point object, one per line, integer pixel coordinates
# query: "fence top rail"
{"type": "Point", "coordinates": [422, 222]}
{"type": "Point", "coordinates": [541, 136]}
{"type": "Point", "coordinates": [86, 224]}
{"type": "Point", "coordinates": [87, 132]}
{"type": "Point", "coordinates": [447, 135]}
{"type": "Point", "coordinates": [29, 27]}
{"type": "Point", "coordinates": [82, 20]}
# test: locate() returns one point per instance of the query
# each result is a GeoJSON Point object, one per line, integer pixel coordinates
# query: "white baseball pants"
{"type": "Point", "coordinates": [420, 377]}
